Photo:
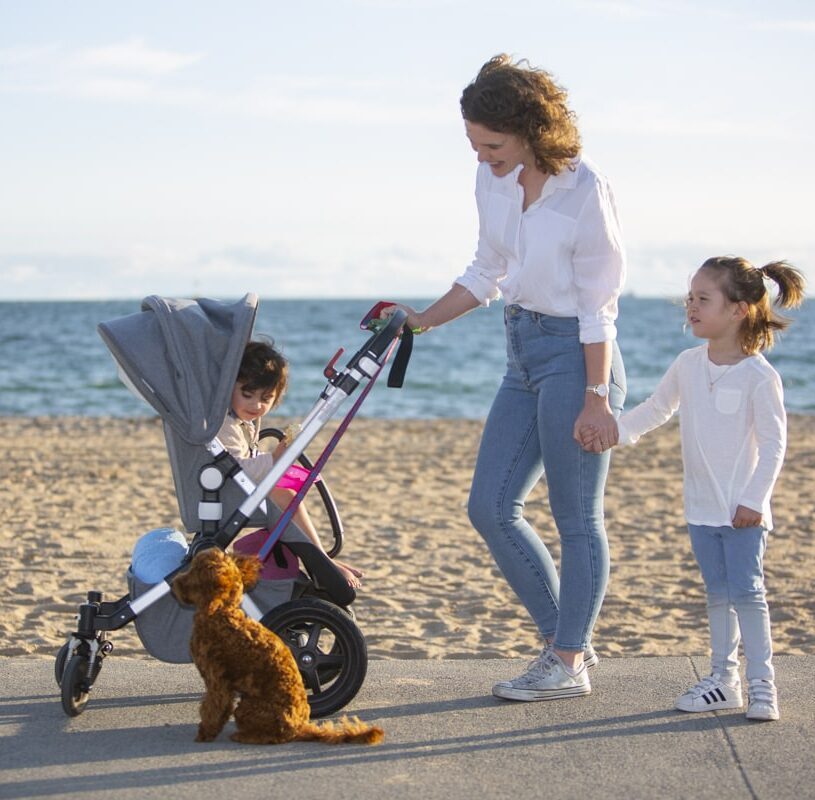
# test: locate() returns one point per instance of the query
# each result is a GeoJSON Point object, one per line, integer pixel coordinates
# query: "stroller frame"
{"type": "Point", "coordinates": [79, 661]}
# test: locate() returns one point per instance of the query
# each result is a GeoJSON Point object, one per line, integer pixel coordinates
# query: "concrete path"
{"type": "Point", "coordinates": [446, 737]}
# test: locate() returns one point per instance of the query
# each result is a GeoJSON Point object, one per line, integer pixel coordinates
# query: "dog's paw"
{"type": "Point", "coordinates": [205, 736]}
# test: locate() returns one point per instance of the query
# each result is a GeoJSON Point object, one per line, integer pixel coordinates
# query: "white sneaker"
{"type": "Point", "coordinates": [762, 701]}
{"type": "Point", "coordinates": [590, 657]}
{"type": "Point", "coordinates": [710, 694]}
{"type": "Point", "coordinates": [545, 679]}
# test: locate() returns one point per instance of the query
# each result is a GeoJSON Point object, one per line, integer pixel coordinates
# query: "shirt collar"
{"type": "Point", "coordinates": [565, 179]}
{"type": "Point", "coordinates": [238, 419]}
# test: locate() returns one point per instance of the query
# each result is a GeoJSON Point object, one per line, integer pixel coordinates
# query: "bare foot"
{"type": "Point", "coordinates": [351, 575]}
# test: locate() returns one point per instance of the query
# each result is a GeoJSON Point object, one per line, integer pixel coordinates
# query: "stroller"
{"type": "Point", "coordinates": [182, 357]}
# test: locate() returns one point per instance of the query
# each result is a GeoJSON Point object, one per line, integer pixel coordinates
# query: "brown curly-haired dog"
{"type": "Point", "coordinates": [237, 656]}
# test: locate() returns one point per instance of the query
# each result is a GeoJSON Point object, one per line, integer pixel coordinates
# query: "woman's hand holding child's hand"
{"type": "Point", "coordinates": [595, 439]}
{"type": "Point", "coordinates": [588, 437]}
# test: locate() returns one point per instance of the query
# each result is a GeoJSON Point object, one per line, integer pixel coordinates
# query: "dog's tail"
{"type": "Point", "coordinates": [345, 730]}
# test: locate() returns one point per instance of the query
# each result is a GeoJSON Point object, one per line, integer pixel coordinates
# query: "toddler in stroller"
{"type": "Point", "coordinates": [261, 384]}
{"type": "Point", "coordinates": [182, 357]}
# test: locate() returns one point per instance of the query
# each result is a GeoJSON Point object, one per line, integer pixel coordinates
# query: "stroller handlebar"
{"type": "Point", "coordinates": [378, 345]}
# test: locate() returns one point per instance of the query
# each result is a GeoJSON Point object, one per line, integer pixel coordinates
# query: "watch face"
{"type": "Point", "coordinates": [602, 390]}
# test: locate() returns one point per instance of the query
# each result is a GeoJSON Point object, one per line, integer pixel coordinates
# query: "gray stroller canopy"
{"type": "Point", "coordinates": [182, 357]}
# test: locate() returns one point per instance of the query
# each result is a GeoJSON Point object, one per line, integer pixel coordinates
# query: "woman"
{"type": "Point", "coordinates": [550, 242]}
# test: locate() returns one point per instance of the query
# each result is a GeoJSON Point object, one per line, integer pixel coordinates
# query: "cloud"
{"type": "Point", "coordinates": [133, 72]}
{"type": "Point", "coordinates": [125, 71]}
{"type": "Point", "coordinates": [652, 120]}
{"type": "Point", "coordinates": [791, 25]}
{"type": "Point", "coordinates": [134, 56]}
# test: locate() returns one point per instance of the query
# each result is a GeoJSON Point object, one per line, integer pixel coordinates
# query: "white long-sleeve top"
{"type": "Point", "coordinates": [734, 434]}
{"type": "Point", "coordinates": [563, 256]}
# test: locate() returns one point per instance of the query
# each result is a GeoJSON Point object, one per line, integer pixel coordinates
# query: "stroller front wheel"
{"type": "Point", "coordinates": [75, 685]}
{"type": "Point", "coordinates": [59, 663]}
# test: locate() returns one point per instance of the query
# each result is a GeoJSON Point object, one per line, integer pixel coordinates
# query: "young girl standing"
{"type": "Point", "coordinates": [733, 432]}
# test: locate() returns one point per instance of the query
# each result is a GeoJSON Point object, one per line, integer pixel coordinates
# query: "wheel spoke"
{"type": "Point", "coordinates": [328, 660]}
{"type": "Point", "coordinates": [314, 637]}
{"type": "Point", "coordinates": [311, 679]}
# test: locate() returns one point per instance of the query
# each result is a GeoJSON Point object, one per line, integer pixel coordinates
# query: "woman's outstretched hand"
{"type": "Point", "coordinates": [413, 320]}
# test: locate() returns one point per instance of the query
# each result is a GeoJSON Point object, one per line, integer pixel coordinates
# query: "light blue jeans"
{"type": "Point", "coordinates": [529, 432]}
{"type": "Point", "coordinates": [732, 565]}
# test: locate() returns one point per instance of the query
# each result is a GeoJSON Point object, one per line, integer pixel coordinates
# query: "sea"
{"type": "Point", "coordinates": [53, 362]}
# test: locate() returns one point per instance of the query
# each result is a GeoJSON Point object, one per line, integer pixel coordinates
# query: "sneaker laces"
{"type": "Point", "coordinates": [542, 665]}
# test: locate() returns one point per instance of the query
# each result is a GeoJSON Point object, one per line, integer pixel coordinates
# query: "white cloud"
{"type": "Point", "coordinates": [21, 274]}
{"type": "Point", "coordinates": [134, 56]}
{"type": "Point", "coordinates": [791, 25]}
{"type": "Point", "coordinates": [134, 72]}
{"type": "Point", "coordinates": [27, 54]}
{"type": "Point", "coordinates": [657, 121]}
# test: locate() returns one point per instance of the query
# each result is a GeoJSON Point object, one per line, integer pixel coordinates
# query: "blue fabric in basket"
{"type": "Point", "coordinates": [158, 553]}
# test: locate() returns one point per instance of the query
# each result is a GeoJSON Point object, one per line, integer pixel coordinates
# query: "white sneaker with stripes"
{"type": "Point", "coordinates": [710, 694]}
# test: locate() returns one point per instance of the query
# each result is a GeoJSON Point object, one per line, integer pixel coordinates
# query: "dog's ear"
{"type": "Point", "coordinates": [183, 587]}
{"type": "Point", "coordinates": [249, 568]}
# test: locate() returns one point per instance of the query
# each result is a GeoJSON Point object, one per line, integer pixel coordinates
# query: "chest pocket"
{"type": "Point", "coordinates": [728, 401]}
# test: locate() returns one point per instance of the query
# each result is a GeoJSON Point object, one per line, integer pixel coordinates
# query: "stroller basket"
{"type": "Point", "coordinates": [182, 357]}
{"type": "Point", "coordinates": [165, 627]}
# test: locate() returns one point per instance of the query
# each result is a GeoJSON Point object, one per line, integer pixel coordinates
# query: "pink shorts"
{"type": "Point", "coordinates": [293, 478]}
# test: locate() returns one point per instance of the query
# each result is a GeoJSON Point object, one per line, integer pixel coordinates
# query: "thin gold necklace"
{"type": "Point", "coordinates": [710, 380]}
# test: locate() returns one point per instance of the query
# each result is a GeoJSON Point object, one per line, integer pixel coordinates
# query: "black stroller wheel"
{"type": "Point", "coordinates": [328, 647]}
{"type": "Point", "coordinates": [59, 663]}
{"type": "Point", "coordinates": [75, 685]}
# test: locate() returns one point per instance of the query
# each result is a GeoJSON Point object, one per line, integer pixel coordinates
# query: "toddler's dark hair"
{"type": "Point", "coordinates": [742, 282]}
{"type": "Point", "coordinates": [263, 367]}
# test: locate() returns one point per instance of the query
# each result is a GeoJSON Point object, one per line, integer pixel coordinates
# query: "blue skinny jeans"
{"type": "Point", "coordinates": [529, 432]}
{"type": "Point", "coordinates": [732, 565]}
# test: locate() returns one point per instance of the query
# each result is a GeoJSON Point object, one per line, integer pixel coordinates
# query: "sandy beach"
{"type": "Point", "coordinates": [76, 493]}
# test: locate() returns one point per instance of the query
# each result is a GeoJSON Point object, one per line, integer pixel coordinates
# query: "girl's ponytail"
{"type": "Point", "coordinates": [790, 283]}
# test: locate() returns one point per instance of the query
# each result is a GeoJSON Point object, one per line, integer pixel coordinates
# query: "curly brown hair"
{"type": "Point", "coordinates": [741, 282]}
{"type": "Point", "coordinates": [517, 98]}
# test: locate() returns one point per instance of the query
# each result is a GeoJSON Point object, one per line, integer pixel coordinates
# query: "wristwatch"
{"type": "Point", "coordinates": [600, 389]}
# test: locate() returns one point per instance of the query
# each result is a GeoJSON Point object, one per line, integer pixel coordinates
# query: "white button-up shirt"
{"type": "Point", "coordinates": [563, 256]}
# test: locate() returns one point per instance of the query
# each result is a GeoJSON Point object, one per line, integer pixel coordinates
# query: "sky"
{"type": "Point", "coordinates": [193, 147]}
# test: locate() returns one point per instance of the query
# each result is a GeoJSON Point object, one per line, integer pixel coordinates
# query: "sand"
{"type": "Point", "coordinates": [76, 493]}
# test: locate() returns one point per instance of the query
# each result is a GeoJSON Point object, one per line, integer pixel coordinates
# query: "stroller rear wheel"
{"type": "Point", "coordinates": [328, 647]}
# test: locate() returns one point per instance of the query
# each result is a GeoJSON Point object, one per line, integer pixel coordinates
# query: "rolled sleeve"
{"type": "Point", "coordinates": [488, 268]}
{"type": "Point", "coordinates": [599, 265]}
